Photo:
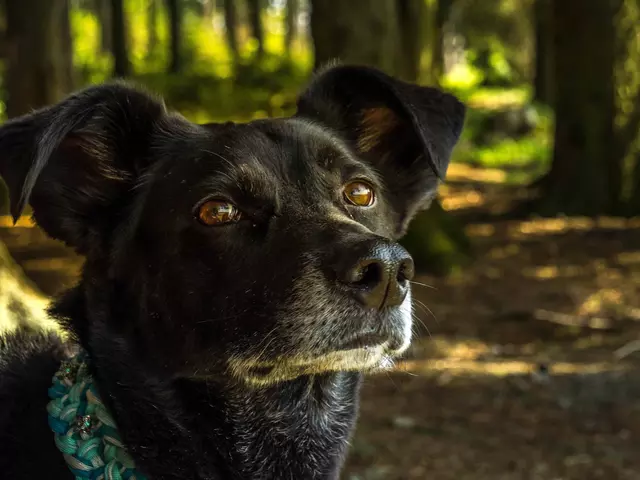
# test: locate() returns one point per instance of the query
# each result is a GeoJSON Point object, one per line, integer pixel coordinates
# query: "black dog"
{"type": "Point", "coordinates": [238, 277]}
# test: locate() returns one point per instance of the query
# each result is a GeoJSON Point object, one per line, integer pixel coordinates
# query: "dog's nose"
{"type": "Point", "coordinates": [379, 278]}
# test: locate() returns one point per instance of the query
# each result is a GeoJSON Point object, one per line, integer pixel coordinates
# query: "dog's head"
{"type": "Point", "coordinates": [264, 250]}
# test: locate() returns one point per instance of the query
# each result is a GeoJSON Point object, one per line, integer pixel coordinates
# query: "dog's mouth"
{"type": "Point", "coordinates": [364, 341]}
{"type": "Point", "coordinates": [370, 348]}
{"type": "Point", "coordinates": [364, 353]}
{"type": "Point", "coordinates": [366, 359]}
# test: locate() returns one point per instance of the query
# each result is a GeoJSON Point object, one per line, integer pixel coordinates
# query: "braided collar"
{"type": "Point", "coordinates": [83, 428]}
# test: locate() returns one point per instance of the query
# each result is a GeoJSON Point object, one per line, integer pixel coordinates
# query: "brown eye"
{"type": "Point", "coordinates": [359, 194]}
{"type": "Point", "coordinates": [218, 212]}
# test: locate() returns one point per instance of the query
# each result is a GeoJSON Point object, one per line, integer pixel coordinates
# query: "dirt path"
{"type": "Point", "coordinates": [522, 377]}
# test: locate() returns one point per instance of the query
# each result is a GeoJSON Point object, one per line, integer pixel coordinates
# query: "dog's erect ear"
{"type": "Point", "coordinates": [76, 161]}
{"type": "Point", "coordinates": [407, 132]}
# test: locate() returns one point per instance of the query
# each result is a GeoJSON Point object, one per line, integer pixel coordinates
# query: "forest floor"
{"type": "Point", "coordinates": [526, 367]}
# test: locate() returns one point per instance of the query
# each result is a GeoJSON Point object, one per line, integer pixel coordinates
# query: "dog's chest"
{"type": "Point", "coordinates": [302, 439]}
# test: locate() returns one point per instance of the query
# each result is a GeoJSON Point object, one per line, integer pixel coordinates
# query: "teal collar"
{"type": "Point", "coordinates": [83, 428]}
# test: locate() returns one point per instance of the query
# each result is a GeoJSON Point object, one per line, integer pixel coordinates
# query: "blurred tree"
{"type": "Point", "coordinates": [585, 176]}
{"type": "Point", "coordinates": [121, 63]}
{"type": "Point", "coordinates": [634, 202]}
{"type": "Point", "coordinates": [369, 32]}
{"type": "Point", "coordinates": [440, 13]}
{"type": "Point", "coordinates": [498, 37]}
{"type": "Point", "coordinates": [411, 18]}
{"type": "Point", "coordinates": [38, 64]}
{"type": "Point", "coordinates": [358, 31]}
{"type": "Point", "coordinates": [3, 31]}
{"type": "Point", "coordinates": [231, 28]}
{"type": "Point", "coordinates": [208, 7]}
{"type": "Point", "coordinates": [543, 80]}
{"type": "Point", "coordinates": [254, 11]}
{"type": "Point", "coordinates": [152, 27]}
{"type": "Point", "coordinates": [102, 9]}
{"type": "Point", "coordinates": [66, 56]}
{"type": "Point", "coordinates": [38, 73]}
{"type": "Point", "coordinates": [293, 10]}
{"type": "Point", "coordinates": [627, 123]}
{"type": "Point", "coordinates": [175, 32]}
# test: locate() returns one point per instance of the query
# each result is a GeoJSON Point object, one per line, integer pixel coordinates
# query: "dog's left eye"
{"type": "Point", "coordinates": [218, 212]}
{"type": "Point", "coordinates": [359, 193]}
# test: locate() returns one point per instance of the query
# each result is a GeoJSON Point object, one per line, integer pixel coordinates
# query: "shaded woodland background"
{"type": "Point", "coordinates": [530, 259]}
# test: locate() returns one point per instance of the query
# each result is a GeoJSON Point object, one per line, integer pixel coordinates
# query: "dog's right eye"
{"type": "Point", "coordinates": [359, 194]}
{"type": "Point", "coordinates": [218, 212]}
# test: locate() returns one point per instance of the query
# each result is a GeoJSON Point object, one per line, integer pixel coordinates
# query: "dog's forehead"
{"type": "Point", "coordinates": [270, 153]}
{"type": "Point", "coordinates": [287, 146]}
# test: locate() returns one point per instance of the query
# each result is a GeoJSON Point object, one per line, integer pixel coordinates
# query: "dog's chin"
{"type": "Point", "coordinates": [365, 359]}
{"type": "Point", "coordinates": [365, 351]}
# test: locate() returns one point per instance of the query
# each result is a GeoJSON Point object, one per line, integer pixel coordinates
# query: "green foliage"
{"type": "Point", "coordinates": [212, 87]}
{"type": "Point", "coordinates": [498, 38]}
{"type": "Point", "coordinates": [502, 129]}
{"type": "Point", "coordinates": [207, 98]}
{"type": "Point", "coordinates": [437, 242]}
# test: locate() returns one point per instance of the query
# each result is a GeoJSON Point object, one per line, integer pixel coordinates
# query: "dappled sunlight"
{"type": "Point", "coordinates": [25, 221]}
{"type": "Point", "coordinates": [507, 251]}
{"type": "Point", "coordinates": [595, 302]}
{"type": "Point", "coordinates": [628, 258]}
{"type": "Point", "coordinates": [574, 321]}
{"type": "Point", "coordinates": [543, 227]}
{"type": "Point", "coordinates": [501, 368]}
{"type": "Point", "coordinates": [480, 230]}
{"type": "Point", "coordinates": [47, 264]}
{"type": "Point", "coordinates": [464, 172]}
{"type": "Point", "coordinates": [553, 271]}
{"type": "Point", "coordinates": [461, 200]}
{"type": "Point", "coordinates": [554, 226]}
{"type": "Point", "coordinates": [498, 98]}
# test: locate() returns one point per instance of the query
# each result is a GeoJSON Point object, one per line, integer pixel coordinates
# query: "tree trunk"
{"type": "Point", "coordinates": [254, 10]}
{"type": "Point", "coordinates": [411, 17]}
{"type": "Point", "coordinates": [359, 31]}
{"type": "Point", "coordinates": [633, 206]}
{"type": "Point", "coordinates": [293, 10]}
{"type": "Point", "coordinates": [628, 101]}
{"type": "Point", "coordinates": [442, 9]}
{"type": "Point", "coordinates": [368, 32]}
{"type": "Point", "coordinates": [208, 7]}
{"type": "Point", "coordinates": [103, 13]}
{"type": "Point", "coordinates": [175, 33]}
{"type": "Point", "coordinates": [121, 64]}
{"type": "Point", "coordinates": [152, 28]}
{"type": "Point", "coordinates": [37, 70]}
{"type": "Point", "coordinates": [543, 81]}
{"type": "Point", "coordinates": [3, 32]}
{"type": "Point", "coordinates": [585, 176]}
{"type": "Point", "coordinates": [231, 28]}
{"type": "Point", "coordinates": [66, 54]}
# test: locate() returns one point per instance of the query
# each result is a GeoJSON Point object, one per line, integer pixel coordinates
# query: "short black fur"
{"type": "Point", "coordinates": [232, 351]}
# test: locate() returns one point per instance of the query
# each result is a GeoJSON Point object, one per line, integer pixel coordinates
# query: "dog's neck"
{"type": "Point", "coordinates": [209, 430]}
{"type": "Point", "coordinates": [309, 420]}
{"type": "Point", "coordinates": [219, 429]}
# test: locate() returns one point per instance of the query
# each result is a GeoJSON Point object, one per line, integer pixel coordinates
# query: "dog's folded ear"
{"type": "Point", "coordinates": [406, 131]}
{"type": "Point", "coordinates": [75, 161]}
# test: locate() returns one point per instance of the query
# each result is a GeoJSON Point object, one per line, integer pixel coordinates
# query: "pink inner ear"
{"type": "Point", "coordinates": [375, 124]}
